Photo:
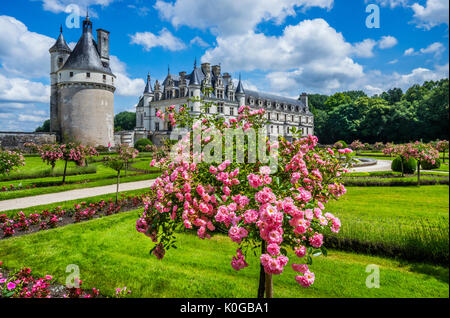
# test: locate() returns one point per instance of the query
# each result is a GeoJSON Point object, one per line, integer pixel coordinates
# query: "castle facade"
{"type": "Point", "coordinates": [208, 83]}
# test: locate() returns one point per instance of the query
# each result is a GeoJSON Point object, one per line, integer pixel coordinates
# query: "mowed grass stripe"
{"type": "Point", "coordinates": [111, 254]}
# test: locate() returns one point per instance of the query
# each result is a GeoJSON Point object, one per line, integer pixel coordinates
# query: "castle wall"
{"type": "Point", "coordinates": [16, 140]}
{"type": "Point", "coordinates": [87, 114]}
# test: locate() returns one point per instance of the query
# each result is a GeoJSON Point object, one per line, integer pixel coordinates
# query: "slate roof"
{"type": "Point", "coordinates": [60, 45]}
{"type": "Point", "coordinates": [85, 56]}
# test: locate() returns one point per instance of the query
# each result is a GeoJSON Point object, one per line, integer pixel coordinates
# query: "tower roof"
{"type": "Point", "coordinates": [148, 86]}
{"type": "Point", "coordinates": [60, 44]}
{"type": "Point", "coordinates": [85, 55]}
{"type": "Point", "coordinates": [195, 77]}
{"type": "Point", "coordinates": [240, 87]}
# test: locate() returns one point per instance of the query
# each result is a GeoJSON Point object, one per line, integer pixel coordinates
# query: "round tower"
{"type": "Point", "coordinates": [59, 53]}
{"type": "Point", "coordinates": [85, 86]}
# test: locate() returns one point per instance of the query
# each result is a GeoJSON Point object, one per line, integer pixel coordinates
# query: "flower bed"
{"type": "Point", "coordinates": [21, 284]}
{"type": "Point", "coordinates": [23, 224]}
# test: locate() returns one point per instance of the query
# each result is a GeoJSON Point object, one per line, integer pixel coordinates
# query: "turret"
{"type": "Point", "coordinates": [304, 99]}
{"type": "Point", "coordinates": [240, 93]}
{"type": "Point", "coordinates": [103, 45]}
{"type": "Point", "coordinates": [59, 53]}
{"type": "Point", "coordinates": [194, 87]}
{"type": "Point", "coordinates": [148, 92]}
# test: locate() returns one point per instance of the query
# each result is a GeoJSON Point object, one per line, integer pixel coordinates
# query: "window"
{"type": "Point", "coordinates": [71, 74]}
{"type": "Point", "coordinates": [220, 108]}
{"type": "Point", "coordinates": [268, 114]}
{"type": "Point", "coordinates": [60, 60]}
{"type": "Point", "coordinates": [232, 111]}
{"type": "Point", "coordinates": [157, 126]}
{"type": "Point", "coordinates": [104, 77]}
{"type": "Point", "coordinates": [278, 116]}
{"type": "Point", "coordinates": [88, 75]}
{"type": "Point", "coordinates": [207, 110]}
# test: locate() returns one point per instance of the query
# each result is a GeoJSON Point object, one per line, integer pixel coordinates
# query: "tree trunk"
{"type": "Point", "coordinates": [126, 168]}
{"type": "Point", "coordinates": [401, 160]}
{"type": "Point", "coordinates": [64, 175]}
{"type": "Point", "coordinates": [262, 276]}
{"type": "Point", "coordinates": [269, 286]}
{"type": "Point", "coordinates": [418, 173]}
{"type": "Point", "coordinates": [117, 188]}
{"type": "Point", "coordinates": [443, 159]}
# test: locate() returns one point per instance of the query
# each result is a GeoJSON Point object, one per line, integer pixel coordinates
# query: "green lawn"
{"type": "Point", "coordinates": [415, 219]}
{"type": "Point", "coordinates": [103, 176]}
{"type": "Point", "coordinates": [110, 254]}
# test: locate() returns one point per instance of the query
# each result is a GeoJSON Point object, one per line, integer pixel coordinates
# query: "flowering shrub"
{"type": "Point", "coordinates": [127, 153]}
{"type": "Point", "coordinates": [10, 160]}
{"type": "Point", "coordinates": [22, 285]}
{"type": "Point", "coordinates": [378, 146]}
{"type": "Point", "coordinates": [389, 149]}
{"type": "Point", "coordinates": [357, 145]}
{"type": "Point", "coordinates": [271, 207]}
{"type": "Point", "coordinates": [122, 292]}
{"type": "Point", "coordinates": [443, 146]}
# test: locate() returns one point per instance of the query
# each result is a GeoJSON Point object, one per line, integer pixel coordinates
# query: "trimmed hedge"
{"type": "Point", "coordinates": [409, 166]}
{"type": "Point", "coordinates": [141, 143]}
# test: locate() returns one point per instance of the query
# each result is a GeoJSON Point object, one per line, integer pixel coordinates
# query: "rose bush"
{"type": "Point", "coordinates": [272, 208]}
{"type": "Point", "coordinates": [10, 160]}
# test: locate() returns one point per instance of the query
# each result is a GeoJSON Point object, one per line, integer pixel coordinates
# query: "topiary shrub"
{"type": "Point", "coordinates": [409, 166]}
{"type": "Point", "coordinates": [340, 144]}
{"type": "Point", "coordinates": [141, 143]}
{"type": "Point", "coordinates": [429, 166]}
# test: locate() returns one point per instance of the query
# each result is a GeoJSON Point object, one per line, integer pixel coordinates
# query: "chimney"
{"type": "Point", "coordinates": [103, 45]}
{"type": "Point", "coordinates": [206, 68]}
{"type": "Point", "coordinates": [304, 99]}
{"type": "Point", "coordinates": [216, 70]}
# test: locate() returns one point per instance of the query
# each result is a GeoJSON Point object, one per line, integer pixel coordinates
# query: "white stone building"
{"type": "Point", "coordinates": [82, 89]}
{"type": "Point", "coordinates": [282, 113]}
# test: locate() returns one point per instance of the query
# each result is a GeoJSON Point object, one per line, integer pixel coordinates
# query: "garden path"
{"type": "Point", "coordinates": [22, 203]}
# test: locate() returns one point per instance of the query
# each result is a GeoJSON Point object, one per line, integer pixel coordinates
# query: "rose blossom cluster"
{"type": "Point", "coordinates": [281, 209]}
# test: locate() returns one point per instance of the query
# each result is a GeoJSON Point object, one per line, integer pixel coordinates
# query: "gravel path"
{"type": "Point", "coordinates": [382, 165]}
{"type": "Point", "coordinates": [22, 203]}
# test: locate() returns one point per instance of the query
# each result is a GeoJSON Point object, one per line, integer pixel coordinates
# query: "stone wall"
{"type": "Point", "coordinates": [16, 140]}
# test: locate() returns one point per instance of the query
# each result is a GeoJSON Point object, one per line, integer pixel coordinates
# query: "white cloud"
{"type": "Point", "coordinates": [229, 17]}
{"type": "Point", "coordinates": [390, 3]}
{"type": "Point", "coordinates": [23, 52]}
{"type": "Point", "coordinates": [435, 48]}
{"type": "Point", "coordinates": [57, 6]}
{"type": "Point", "coordinates": [364, 48]}
{"type": "Point", "coordinates": [23, 91]}
{"type": "Point", "coordinates": [387, 42]}
{"type": "Point", "coordinates": [165, 39]}
{"type": "Point", "coordinates": [434, 12]}
{"type": "Point", "coordinates": [32, 118]}
{"type": "Point", "coordinates": [198, 41]}
{"type": "Point", "coordinates": [125, 85]}
{"type": "Point", "coordinates": [393, 61]}
{"type": "Point", "coordinates": [409, 52]}
{"type": "Point", "coordinates": [309, 54]}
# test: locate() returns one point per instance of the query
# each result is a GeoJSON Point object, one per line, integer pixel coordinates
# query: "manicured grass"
{"type": "Point", "coordinates": [69, 204]}
{"type": "Point", "coordinates": [144, 164]}
{"type": "Point", "coordinates": [100, 182]}
{"type": "Point", "coordinates": [413, 219]}
{"type": "Point", "coordinates": [110, 254]}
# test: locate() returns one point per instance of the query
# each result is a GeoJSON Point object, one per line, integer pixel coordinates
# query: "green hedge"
{"type": "Point", "coordinates": [141, 143]}
{"type": "Point", "coordinates": [409, 166]}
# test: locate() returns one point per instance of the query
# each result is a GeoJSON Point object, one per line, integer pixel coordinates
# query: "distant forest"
{"type": "Point", "coordinates": [420, 113]}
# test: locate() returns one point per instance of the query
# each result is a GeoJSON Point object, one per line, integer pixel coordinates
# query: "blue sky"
{"type": "Point", "coordinates": [280, 46]}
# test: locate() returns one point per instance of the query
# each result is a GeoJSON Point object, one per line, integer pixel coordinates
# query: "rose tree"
{"type": "Point", "coordinates": [275, 208]}
{"type": "Point", "coordinates": [422, 153]}
{"type": "Point", "coordinates": [10, 160]}
{"type": "Point", "coordinates": [442, 145]}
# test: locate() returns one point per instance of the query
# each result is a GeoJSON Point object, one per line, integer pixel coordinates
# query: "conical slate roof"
{"type": "Point", "coordinates": [240, 87]}
{"type": "Point", "coordinates": [148, 87]}
{"type": "Point", "coordinates": [85, 56]}
{"type": "Point", "coordinates": [60, 45]}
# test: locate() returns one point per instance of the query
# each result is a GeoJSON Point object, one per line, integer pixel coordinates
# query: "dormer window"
{"type": "Point", "coordinates": [88, 75]}
{"type": "Point", "coordinates": [71, 74]}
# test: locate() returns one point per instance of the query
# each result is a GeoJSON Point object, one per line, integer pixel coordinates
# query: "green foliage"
{"type": "Point", "coordinates": [421, 113]}
{"type": "Point", "coordinates": [429, 166]}
{"type": "Point", "coordinates": [141, 143]}
{"type": "Point", "coordinates": [45, 127]}
{"type": "Point", "coordinates": [409, 166]}
{"type": "Point", "coordinates": [124, 121]}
